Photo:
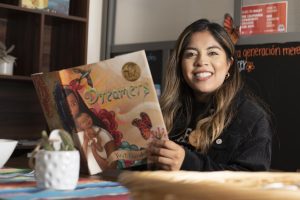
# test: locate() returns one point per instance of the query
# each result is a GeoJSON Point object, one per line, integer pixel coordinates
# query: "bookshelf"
{"type": "Point", "coordinates": [44, 41]}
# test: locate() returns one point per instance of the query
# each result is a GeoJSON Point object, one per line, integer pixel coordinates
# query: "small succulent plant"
{"type": "Point", "coordinates": [4, 53]}
{"type": "Point", "coordinates": [58, 136]}
{"type": "Point", "coordinates": [66, 142]}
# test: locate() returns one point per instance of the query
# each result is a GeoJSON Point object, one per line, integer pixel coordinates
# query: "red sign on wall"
{"type": "Point", "coordinates": [264, 18]}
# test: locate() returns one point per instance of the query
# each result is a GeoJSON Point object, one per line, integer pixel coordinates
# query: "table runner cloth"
{"type": "Point", "coordinates": [20, 184]}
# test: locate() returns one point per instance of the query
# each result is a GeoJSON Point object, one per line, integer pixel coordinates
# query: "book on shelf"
{"type": "Point", "coordinates": [53, 6]}
{"type": "Point", "coordinates": [111, 109]}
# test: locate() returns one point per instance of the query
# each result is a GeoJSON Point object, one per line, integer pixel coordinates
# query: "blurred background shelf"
{"type": "Point", "coordinates": [44, 41]}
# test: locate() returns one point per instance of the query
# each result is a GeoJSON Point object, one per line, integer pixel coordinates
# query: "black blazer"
{"type": "Point", "coordinates": [246, 144]}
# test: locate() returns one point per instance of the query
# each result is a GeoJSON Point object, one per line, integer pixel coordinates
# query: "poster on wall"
{"type": "Point", "coordinates": [264, 18]}
{"type": "Point", "coordinates": [273, 72]}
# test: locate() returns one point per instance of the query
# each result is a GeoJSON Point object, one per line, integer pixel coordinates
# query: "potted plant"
{"type": "Point", "coordinates": [6, 61]}
{"type": "Point", "coordinates": [57, 161]}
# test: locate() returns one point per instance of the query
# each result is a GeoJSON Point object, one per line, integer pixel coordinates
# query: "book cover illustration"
{"type": "Point", "coordinates": [110, 107]}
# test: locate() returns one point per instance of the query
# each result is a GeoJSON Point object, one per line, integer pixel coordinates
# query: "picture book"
{"type": "Point", "coordinates": [111, 109]}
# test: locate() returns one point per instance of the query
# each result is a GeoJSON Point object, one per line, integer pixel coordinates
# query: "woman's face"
{"type": "Point", "coordinates": [204, 64]}
{"type": "Point", "coordinates": [73, 104]}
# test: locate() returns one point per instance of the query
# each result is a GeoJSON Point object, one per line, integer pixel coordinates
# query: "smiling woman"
{"type": "Point", "coordinates": [213, 121]}
{"type": "Point", "coordinates": [204, 64]}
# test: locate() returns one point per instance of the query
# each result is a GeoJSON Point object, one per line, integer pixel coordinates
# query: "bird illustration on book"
{"type": "Point", "coordinates": [231, 29]}
{"type": "Point", "coordinates": [144, 125]}
{"type": "Point", "coordinates": [84, 74]}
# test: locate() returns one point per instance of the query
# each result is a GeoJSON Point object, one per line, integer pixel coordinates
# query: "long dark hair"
{"type": "Point", "coordinates": [177, 97]}
{"type": "Point", "coordinates": [61, 94]}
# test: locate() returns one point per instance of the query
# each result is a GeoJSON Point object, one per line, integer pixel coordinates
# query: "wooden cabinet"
{"type": "Point", "coordinates": [43, 42]}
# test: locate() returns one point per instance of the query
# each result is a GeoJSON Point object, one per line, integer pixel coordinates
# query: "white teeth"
{"type": "Point", "coordinates": [203, 74]}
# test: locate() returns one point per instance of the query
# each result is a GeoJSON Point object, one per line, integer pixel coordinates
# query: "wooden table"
{"type": "Point", "coordinates": [224, 185]}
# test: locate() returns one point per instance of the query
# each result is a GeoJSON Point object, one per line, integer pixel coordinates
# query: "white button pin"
{"type": "Point", "coordinates": [219, 141]}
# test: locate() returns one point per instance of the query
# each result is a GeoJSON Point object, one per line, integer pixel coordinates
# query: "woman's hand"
{"type": "Point", "coordinates": [166, 154]}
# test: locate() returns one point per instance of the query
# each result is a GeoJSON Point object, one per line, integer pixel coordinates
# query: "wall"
{"type": "Point", "coordinates": [139, 21]}
{"type": "Point", "coordinates": [94, 34]}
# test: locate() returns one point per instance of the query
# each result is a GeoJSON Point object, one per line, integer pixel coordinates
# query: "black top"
{"type": "Point", "coordinates": [246, 144]}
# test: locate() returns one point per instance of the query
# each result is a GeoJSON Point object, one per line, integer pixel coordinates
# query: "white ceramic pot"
{"type": "Point", "coordinates": [57, 170]}
{"type": "Point", "coordinates": [6, 68]}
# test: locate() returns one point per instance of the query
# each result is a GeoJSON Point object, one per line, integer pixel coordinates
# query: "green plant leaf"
{"type": "Point", "coordinates": [10, 49]}
{"type": "Point", "coordinates": [67, 141]}
{"type": "Point", "coordinates": [46, 143]}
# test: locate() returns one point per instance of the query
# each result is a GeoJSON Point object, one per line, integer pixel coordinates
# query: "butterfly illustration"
{"type": "Point", "coordinates": [144, 124]}
{"type": "Point", "coordinates": [232, 30]}
{"type": "Point", "coordinates": [250, 66]}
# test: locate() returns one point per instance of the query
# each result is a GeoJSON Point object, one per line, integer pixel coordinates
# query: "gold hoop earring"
{"type": "Point", "coordinates": [227, 75]}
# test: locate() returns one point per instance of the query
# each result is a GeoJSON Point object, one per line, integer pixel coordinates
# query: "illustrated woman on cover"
{"type": "Point", "coordinates": [70, 105]}
{"type": "Point", "coordinates": [214, 122]}
{"type": "Point", "coordinates": [96, 142]}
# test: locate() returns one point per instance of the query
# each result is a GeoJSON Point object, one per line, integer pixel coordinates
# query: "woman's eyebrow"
{"type": "Point", "coordinates": [191, 48]}
{"type": "Point", "coordinates": [214, 47]}
{"type": "Point", "coordinates": [208, 48]}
